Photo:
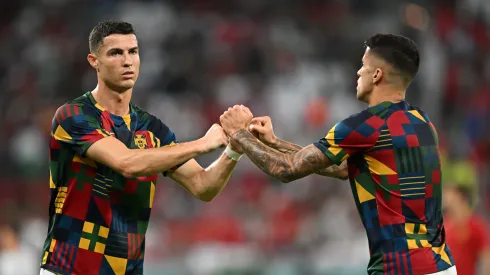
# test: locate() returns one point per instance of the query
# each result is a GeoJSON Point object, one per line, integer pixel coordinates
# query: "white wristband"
{"type": "Point", "coordinates": [232, 154]}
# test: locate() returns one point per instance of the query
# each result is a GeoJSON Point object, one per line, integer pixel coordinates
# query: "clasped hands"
{"type": "Point", "coordinates": [236, 118]}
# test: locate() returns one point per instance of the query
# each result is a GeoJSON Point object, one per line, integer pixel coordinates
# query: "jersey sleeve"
{"type": "Point", "coordinates": [76, 130]}
{"type": "Point", "coordinates": [163, 136]}
{"type": "Point", "coordinates": [351, 136]}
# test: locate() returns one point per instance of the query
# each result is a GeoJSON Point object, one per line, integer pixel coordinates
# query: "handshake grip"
{"type": "Point", "coordinates": [238, 118]}
{"type": "Point", "coordinates": [214, 138]}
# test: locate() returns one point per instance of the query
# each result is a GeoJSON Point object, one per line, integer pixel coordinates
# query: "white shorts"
{"type": "Point", "coordinates": [46, 272]}
{"type": "Point", "coordinates": [450, 271]}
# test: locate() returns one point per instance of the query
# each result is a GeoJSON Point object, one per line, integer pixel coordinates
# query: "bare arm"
{"type": "Point", "coordinates": [135, 162]}
{"type": "Point", "coordinates": [333, 171]}
{"type": "Point", "coordinates": [202, 183]}
{"type": "Point", "coordinates": [285, 167]}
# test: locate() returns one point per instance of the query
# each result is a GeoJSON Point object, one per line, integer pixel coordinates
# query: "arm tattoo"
{"type": "Point", "coordinates": [285, 146]}
{"type": "Point", "coordinates": [285, 167]}
{"type": "Point", "coordinates": [333, 171]}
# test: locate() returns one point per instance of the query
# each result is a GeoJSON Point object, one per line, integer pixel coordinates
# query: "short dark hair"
{"type": "Point", "coordinates": [106, 28]}
{"type": "Point", "coordinates": [399, 51]}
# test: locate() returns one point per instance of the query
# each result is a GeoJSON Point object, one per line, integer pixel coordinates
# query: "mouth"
{"type": "Point", "coordinates": [128, 74]}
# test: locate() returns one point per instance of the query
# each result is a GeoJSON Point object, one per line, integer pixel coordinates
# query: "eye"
{"type": "Point", "coordinates": [115, 53]}
{"type": "Point", "coordinates": [133, 51]}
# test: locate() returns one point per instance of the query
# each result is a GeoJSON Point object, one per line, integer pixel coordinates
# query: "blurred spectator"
{"type": "Point", "coordinates": [15, 256]}
{"type": "Point", "coordinates": [466, 232]}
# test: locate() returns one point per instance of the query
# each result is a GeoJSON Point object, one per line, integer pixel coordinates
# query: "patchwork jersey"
{"type": "Point", "coordinates": [97, 217]}
{"type": "Point", "coordinates": [395, 175]}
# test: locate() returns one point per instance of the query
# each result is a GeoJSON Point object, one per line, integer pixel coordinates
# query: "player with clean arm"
{"type": "Point", "coordinates": [105, 155]}
{"type": "Point", "coordinates": [393, 161]}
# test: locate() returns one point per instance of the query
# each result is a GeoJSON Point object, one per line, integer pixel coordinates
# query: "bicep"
{"type": "Point", "coordinates": [188, 176]}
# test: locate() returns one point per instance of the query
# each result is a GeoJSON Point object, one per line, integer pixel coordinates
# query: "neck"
{"type": "Point", "coordinates": [383, 94]}
{"type": "Point", "coordinates": [114, 102]}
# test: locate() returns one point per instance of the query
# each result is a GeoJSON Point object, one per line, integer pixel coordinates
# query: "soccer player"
{"type": "Point", "coordinates": [392, 156]}
{"type": "Point", "coordinates": [467, 232]}
{"type": "Point", "coordinates": [105, 155]}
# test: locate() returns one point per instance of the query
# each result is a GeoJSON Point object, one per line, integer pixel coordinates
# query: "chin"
{"type": "Point", "coordinates": [126, 84]}
{"type": "Point", "coordinates": [362, 96]}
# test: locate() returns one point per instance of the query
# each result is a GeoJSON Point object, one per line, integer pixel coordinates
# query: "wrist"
{"type": "Point", "coordinates": [274, 142]}
{"type": "Point", "coordinates": [232, 154]}
{"type": "Point", "coordinates": [202, 146]}
{"type": "Point", "coordinates": [236, 134]}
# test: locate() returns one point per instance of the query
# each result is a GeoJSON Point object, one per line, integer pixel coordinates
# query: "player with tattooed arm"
{"type": "Point", "coordinates": [393, 162]}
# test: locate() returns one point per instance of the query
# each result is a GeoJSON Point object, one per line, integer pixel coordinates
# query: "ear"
{"type": "Point", "coordinates": [377, 75]}
{"type": "Point", "coordinates": [93, 61]}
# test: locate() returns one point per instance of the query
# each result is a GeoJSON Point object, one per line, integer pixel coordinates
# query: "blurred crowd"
{"type": "Point", "coordinates": [295, 61]}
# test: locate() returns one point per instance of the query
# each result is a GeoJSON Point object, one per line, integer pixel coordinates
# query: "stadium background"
{"type": "Point", "coordinates": [293, 60]}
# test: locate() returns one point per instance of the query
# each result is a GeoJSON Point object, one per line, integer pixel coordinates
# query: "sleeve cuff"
{"type": "Point", "coordinates": [335, 160]}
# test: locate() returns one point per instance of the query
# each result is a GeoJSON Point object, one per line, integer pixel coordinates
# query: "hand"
{"type": "Point", "coordinates": [261, 128]}
{"type": "Point", "coordinates": [215, 138]}
{"type": "Point", "coordinates": [235, 119]}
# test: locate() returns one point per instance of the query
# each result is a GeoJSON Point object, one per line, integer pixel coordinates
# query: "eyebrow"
{"type": "Point", "coordinates": [120, 50]}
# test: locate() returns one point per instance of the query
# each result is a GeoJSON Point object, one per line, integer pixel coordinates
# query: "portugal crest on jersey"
{"type": "Point", "coordinates": [140, 141]}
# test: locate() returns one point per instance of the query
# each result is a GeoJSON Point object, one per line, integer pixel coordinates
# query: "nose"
{"type": "Point", "coordinates": [128, 61]}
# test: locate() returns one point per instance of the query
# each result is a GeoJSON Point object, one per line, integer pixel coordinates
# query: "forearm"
{"type": "Point", "coordinates": [333, 171]}
{"type": "Point", "coordinates": [285, 146]}
{"type": "Point", "coordinates": [215, 177]}
{"type": "Point", "coordinates": [285, 167]}
{"type": "Point", "coordinates": [156, 160]}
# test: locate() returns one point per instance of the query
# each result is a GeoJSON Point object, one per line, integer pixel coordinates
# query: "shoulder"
{"type": "Point", "coordinates": [79, 108]}
{"type": "Point", "coordinates": [371, 117]}
{"type": "Point", "coordinates": [417, 110]}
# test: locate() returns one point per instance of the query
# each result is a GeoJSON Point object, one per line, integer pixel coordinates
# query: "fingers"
{"type": "Point", "coordinates": [247, 110]}
{"type": "Point", "coordinates": [257, 128]}
{"type": "Point", "coordinates": [261, 120]}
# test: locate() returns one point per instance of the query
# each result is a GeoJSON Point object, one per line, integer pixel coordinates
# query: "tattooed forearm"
{"type": "Point", "coordinates": [285, 146]}
{"type": "Point", "coordinates": [285, 167]}
{"type": "Point", "coordinates": [333, 171]}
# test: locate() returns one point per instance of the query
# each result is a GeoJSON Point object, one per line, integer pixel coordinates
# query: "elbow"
{"type": "Point", "coordinates": [286, 177]}
{"type": "Point", "coordinates": [203, 191]}
{"type": "Point", "coordinates": [127, 167]}
{"type": "Point", "coordinates": [206, 195]}
{"type": "Point", "coordinates": [343, 177]}
{"type": "Point", "coordinates": [127, 171]}
{"type": "Point", "coordinates": [206, 198]}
